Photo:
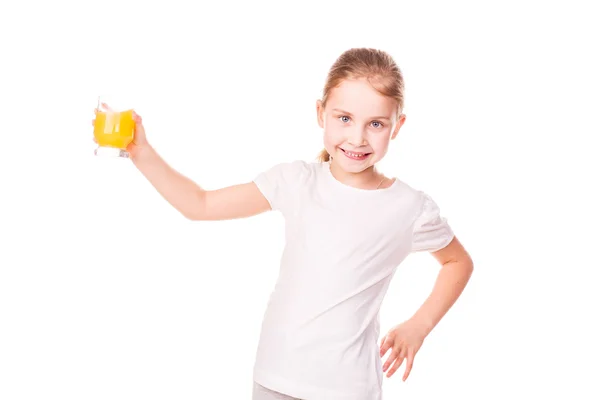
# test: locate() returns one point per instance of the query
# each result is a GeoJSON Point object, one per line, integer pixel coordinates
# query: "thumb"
{"type": "Point", "coordinates": [139, 126]}
{"type": "Point", "coordinates": [137, 118]}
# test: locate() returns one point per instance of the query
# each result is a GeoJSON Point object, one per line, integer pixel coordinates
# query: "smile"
{"type": "Point", "coordinates": [354, 155]}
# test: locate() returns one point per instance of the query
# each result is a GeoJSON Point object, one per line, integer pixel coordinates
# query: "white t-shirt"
{"type": "Point", "coordinates": [320, 332]}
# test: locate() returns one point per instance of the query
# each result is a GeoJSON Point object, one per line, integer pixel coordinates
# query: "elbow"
{"type": "Point", "coordinates": [463, 264]}
{"type": "Point", "coordinates": [196, 210]}
{"type": "Point", "coordinates": [469, 266]}
{"type": "Point", "coordinates": [192, 216]}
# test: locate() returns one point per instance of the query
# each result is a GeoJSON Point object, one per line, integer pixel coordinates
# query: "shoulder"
{"type": "Point", "coordinates": [299, 166]}
{"type": "Point", "coordinates": [282, 182]}
{"type": "Point", "coordinates": [288, 174]}
{"type": "Point", "coordinates": [409, 193]}
{"type": "Point", "coordinates": [425, 208]}
{"type": "Point", "coordinates": [417, 200]}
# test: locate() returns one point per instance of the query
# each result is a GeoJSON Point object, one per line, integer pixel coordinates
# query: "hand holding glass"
{"type": "Point", "coordinates": [113, 130]}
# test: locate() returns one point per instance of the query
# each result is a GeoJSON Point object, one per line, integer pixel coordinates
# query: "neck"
{"type": "Point", "coordinates": [369, 178]}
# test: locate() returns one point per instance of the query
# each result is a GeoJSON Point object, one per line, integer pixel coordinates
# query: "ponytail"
{"type": "Point", "coordinates": [323, 156]}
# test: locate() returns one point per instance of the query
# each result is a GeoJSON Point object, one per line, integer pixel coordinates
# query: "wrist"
{"type": "Point", "coordinates": [141, 153]}
{"type": "Point", "coordinates": [423, 324]}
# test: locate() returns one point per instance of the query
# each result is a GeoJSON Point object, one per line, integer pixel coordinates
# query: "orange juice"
{"type": "Point", "coordinates": [114, 129]}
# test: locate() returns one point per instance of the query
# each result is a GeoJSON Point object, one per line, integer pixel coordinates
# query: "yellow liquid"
{"type": "Point", "coordinates": [114, 129]}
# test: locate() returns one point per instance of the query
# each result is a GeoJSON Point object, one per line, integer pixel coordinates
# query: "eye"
{"type": "Point", "coordinates": [377, 124]}
{"type": "Point", "coordinates": [344, 118]}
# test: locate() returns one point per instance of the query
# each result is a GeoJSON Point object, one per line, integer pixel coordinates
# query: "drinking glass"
{"type": "Point", "coordinates": [113, 126]}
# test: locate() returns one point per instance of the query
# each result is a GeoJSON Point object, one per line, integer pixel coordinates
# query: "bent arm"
{"type": "Point", "coordinates": [457, 267]}
{"type": "Point", "coordinates": [191, 200]}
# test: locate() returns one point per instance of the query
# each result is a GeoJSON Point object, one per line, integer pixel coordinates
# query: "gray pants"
{"type": "Point", "coordinates": [262, 393]}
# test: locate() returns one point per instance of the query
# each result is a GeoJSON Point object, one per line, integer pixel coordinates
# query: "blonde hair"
{"type": "Point", "coordinates": [377, 66]}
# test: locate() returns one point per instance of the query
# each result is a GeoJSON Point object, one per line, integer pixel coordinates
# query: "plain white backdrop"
{"type": "Point", "coordinates": [106, 292]}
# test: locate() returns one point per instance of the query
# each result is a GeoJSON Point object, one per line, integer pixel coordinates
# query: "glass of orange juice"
{"type": "Point", "coordinates": [113, 127]}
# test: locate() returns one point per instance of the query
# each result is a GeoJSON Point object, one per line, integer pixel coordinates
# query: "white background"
{"type": "Point", "coordinates": [106, 292]}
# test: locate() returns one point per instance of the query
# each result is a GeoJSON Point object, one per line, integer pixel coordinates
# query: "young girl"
{"type": "Point", "coordinates": [347, 227]}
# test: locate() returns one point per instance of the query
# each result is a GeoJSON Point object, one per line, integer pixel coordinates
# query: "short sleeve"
{"type": "Point", "coordinates": [431, 231]}
{"type": "Point", "coordinates": [279, 184]}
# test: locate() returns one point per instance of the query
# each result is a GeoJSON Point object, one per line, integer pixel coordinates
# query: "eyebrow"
{"type": "Point", "coordinates": [349, 113]}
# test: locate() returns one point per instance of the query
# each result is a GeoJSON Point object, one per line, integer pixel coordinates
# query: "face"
{"type": "Point", "coordinates": [358, 123]}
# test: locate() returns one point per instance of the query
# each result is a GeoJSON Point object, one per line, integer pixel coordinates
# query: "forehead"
{"type": "Point", "coordinates": [358, 97]}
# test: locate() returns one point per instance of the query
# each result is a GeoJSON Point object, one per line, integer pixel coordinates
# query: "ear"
{"type": "Point", "coordinates": [320, 112]}
{"type": "Point", "coordinates": [398, 126]}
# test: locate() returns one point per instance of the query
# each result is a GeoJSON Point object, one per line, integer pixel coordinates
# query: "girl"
{"type": "Point", "coordinates": [348, 227]}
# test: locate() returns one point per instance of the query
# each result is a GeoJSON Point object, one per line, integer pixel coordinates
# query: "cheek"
{"type": "Point", "coordinates": [379, 141]}
{"type": "Point", "coordinates": [333, 135]}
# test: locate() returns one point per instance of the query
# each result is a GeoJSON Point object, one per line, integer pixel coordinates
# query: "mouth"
{"type": "Point", "coordinates": [355, 155]}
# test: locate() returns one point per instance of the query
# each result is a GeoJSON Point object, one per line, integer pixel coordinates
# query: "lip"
{"type": "Point", "coordinates": [355, 155]}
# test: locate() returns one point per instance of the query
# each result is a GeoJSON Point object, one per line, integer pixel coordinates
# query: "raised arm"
{"type": "Point", "coordinates": [186, 196]}
{"type": "Point", "coordinates": [193, 202]}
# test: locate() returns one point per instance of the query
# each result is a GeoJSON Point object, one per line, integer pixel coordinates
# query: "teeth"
{"type": "Point", "coordinates": [355, 155]}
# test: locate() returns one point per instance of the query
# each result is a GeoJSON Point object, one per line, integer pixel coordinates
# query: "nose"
{"type": "Point", "coordinates": [356, 137]}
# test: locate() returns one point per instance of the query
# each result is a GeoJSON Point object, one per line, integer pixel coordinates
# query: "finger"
{"type": "Point", "coordinates": [382, 341]}
{"type": "Point", "coordinates": [393, 355]}
{"type": "Point", "coordinates": [409, 364]}
{"type": "Point", "coordinates": [93, 122]}
{"type": "Point", "coordinates": [106, 107]}
{"type": "Point", "coordinates": [397, 363]}
{"type": "Point", "coordinates": [136, 118]}
{"type": "Point", "coordinates": [385, 346]}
